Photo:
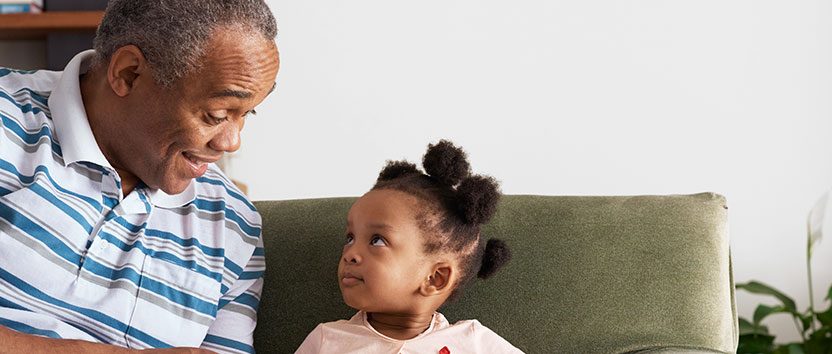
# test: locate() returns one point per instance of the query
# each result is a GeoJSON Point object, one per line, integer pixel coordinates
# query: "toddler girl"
{"type": "Point", "coordinates": [412, 243]}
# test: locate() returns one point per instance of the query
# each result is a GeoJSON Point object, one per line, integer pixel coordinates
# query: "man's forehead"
{"type": "Point", "coordinates": [238, 65]}
{"type": "Point", "coordinates": [237, 93]}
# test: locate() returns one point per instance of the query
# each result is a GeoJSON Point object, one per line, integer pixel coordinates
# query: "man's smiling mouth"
{"type": "Point", "coordinates": [197, 165]}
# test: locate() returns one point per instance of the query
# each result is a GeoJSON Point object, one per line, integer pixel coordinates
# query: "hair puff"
{"type": "Point", "coordinates": [497, 254]}
{"type": "Point", "coordinates": [478, 196]}
{"type": "Point", "coordinates": [396, 169]}
{"type": "Point", "coordinates": [446, 163]}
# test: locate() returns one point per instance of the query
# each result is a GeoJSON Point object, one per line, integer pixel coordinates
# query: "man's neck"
{"type": "Point", "coordinates": [93, 86]}
{"type": "Point", "coordinates": [128, 182]}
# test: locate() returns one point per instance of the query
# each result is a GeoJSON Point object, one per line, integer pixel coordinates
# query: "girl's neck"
{"type": "Point", "coordinates": [400, 326]}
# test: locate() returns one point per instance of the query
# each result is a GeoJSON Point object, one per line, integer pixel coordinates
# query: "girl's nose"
{"type": "Point", "coordinates": [351, 255]}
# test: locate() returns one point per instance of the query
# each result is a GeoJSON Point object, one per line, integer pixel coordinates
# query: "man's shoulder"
{"type": "Point", "coordinates": [215, 191]}
{"type": "Point", "coordinates": [39, 80]}
{"type": "Point", "coordinates": [25, 117]}
{"type": "Point", "coordinates": [24, 92]}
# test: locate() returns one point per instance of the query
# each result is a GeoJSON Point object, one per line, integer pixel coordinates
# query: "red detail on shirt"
{"type": "Point", "coordinates": [444, 350]}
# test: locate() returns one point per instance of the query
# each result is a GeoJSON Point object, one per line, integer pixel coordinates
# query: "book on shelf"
{"type": "Point", "coordinates": [21, 6]}
{"type": "Point", "coordinates": [75, 5]}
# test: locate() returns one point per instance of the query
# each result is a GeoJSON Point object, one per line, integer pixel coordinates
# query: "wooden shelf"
{"type": "Point", "coordinates": [37, 26]}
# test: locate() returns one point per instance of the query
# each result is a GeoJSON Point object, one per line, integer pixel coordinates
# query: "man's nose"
{"type": "Point", "coordinates": [227, 138]}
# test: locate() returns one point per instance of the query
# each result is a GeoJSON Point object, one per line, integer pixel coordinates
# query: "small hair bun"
{"type": "Point", "coordinates": [396, 169]}
{"type": "Point", "coordinates": [497, 254]}
{"type": "Point", "coordinates": [478, 196]}
{"type": "Point", "coordinates": [446, 163]}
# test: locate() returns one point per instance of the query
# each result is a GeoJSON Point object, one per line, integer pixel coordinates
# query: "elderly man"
{"type": "Point", "coordinates": [116, 230]}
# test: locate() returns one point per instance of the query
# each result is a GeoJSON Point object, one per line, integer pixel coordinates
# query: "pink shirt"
{"type": "Point", "coordinates": [358, 336]}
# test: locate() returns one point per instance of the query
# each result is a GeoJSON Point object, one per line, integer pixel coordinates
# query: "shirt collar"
{"type": "Point", "coordinates": [437, 322]}
{"type": "Point", "coordinates": [160, 199]}
{"type": "Point", "coordinates": [73, 131]}
{"type": "Point", "coordinates": [70, 118]}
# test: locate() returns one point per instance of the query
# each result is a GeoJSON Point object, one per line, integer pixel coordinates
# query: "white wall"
{"type": "Point", "coordinates": [598, 97]}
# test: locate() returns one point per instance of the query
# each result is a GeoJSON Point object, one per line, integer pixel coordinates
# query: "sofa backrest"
{"type": "Point", "coordinates": [588, 274]}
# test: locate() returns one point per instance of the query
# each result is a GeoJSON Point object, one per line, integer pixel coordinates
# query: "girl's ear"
{"type": "Point", "coordinates": [440, 280]}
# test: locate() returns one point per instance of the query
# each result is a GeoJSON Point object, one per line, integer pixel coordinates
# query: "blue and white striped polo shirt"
{"type": "Point", "coordinates": [80, 260]}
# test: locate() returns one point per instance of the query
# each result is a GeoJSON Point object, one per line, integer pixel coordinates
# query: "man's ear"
{"type": "Point", "coordinates": [127, 65]}
{"type": "Point", "coordinates": [440, 281]}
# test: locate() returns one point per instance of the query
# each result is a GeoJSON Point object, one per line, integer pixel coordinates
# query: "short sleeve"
{"type": "Point", "coordinates": [312, 343]}
{"type": "Point", "coordinates": [491, 342]}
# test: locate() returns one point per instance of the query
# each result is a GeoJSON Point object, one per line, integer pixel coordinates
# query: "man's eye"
{"type": "Point", "coordinates": [378, 241]}
{"type": "Point", "coordinates": [251, 113]}
{"type": "Point", "coordinates": [349, 239]}
{"type": "Point", "coordinates": [217, 120]}
{"type": "Point", "coordinates": [218, 116]}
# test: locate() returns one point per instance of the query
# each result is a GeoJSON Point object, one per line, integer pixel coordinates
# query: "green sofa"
{"type": "Point", "coordinates": [640, 274]}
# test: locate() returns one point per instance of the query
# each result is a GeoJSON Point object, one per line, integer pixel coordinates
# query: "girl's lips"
{"type": "Point", "coordinates": [349, 279]}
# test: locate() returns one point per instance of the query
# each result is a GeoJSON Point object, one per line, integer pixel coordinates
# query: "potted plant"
{"type": "Point", "coordinates": [814, 326]}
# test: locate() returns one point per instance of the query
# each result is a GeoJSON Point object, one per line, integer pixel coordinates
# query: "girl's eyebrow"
{"type": "Point", "coordinates": [381, 226]}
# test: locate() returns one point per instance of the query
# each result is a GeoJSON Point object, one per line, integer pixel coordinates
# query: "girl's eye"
{"type": "Point", "coordinates": [378, 241]}
{"type": "Point", "coordinates": [350, 239]}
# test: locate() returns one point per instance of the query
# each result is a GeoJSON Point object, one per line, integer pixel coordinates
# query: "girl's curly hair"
{"type": "Point", "coordinates": [455, 204]}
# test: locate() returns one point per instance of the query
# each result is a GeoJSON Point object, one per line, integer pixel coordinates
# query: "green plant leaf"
{"type": "Point", "coordinates": [793, 348]}
{"type": "Point", "coordinates": [820, 341]}
{"type": "Point", "coordinates": [747, 327]}
{"type": "Point", "coordinates": [764, 311]}
{"type": "Point", "coordinates": [763, 330]}
{"type": "Point", "coordinates": [756, 287]}
{"type": "Point", "coordinates": [825, 318]}
{"type": "Point", "coordinates": [806, 320]}
{"type": "Point", "coordinates": [829, 296]}
{"type": "Point", "coordinates": [755, 344]}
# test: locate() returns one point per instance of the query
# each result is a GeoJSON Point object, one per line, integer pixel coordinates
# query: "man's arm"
{"type": "Point", "coordinates": [13, 342]}
{"type": "Point", "coordinates": [233, 329]}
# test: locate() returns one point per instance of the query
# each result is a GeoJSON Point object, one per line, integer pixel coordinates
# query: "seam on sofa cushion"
{"type": "Point", "coordinates": [675, 349]}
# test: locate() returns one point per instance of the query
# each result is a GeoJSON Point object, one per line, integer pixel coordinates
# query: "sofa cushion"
{"type": "Point", "coordinates": [589, 274]}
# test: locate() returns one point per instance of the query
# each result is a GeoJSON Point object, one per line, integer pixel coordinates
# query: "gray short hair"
{"type": "Point", "coordinates": [173, 34]}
